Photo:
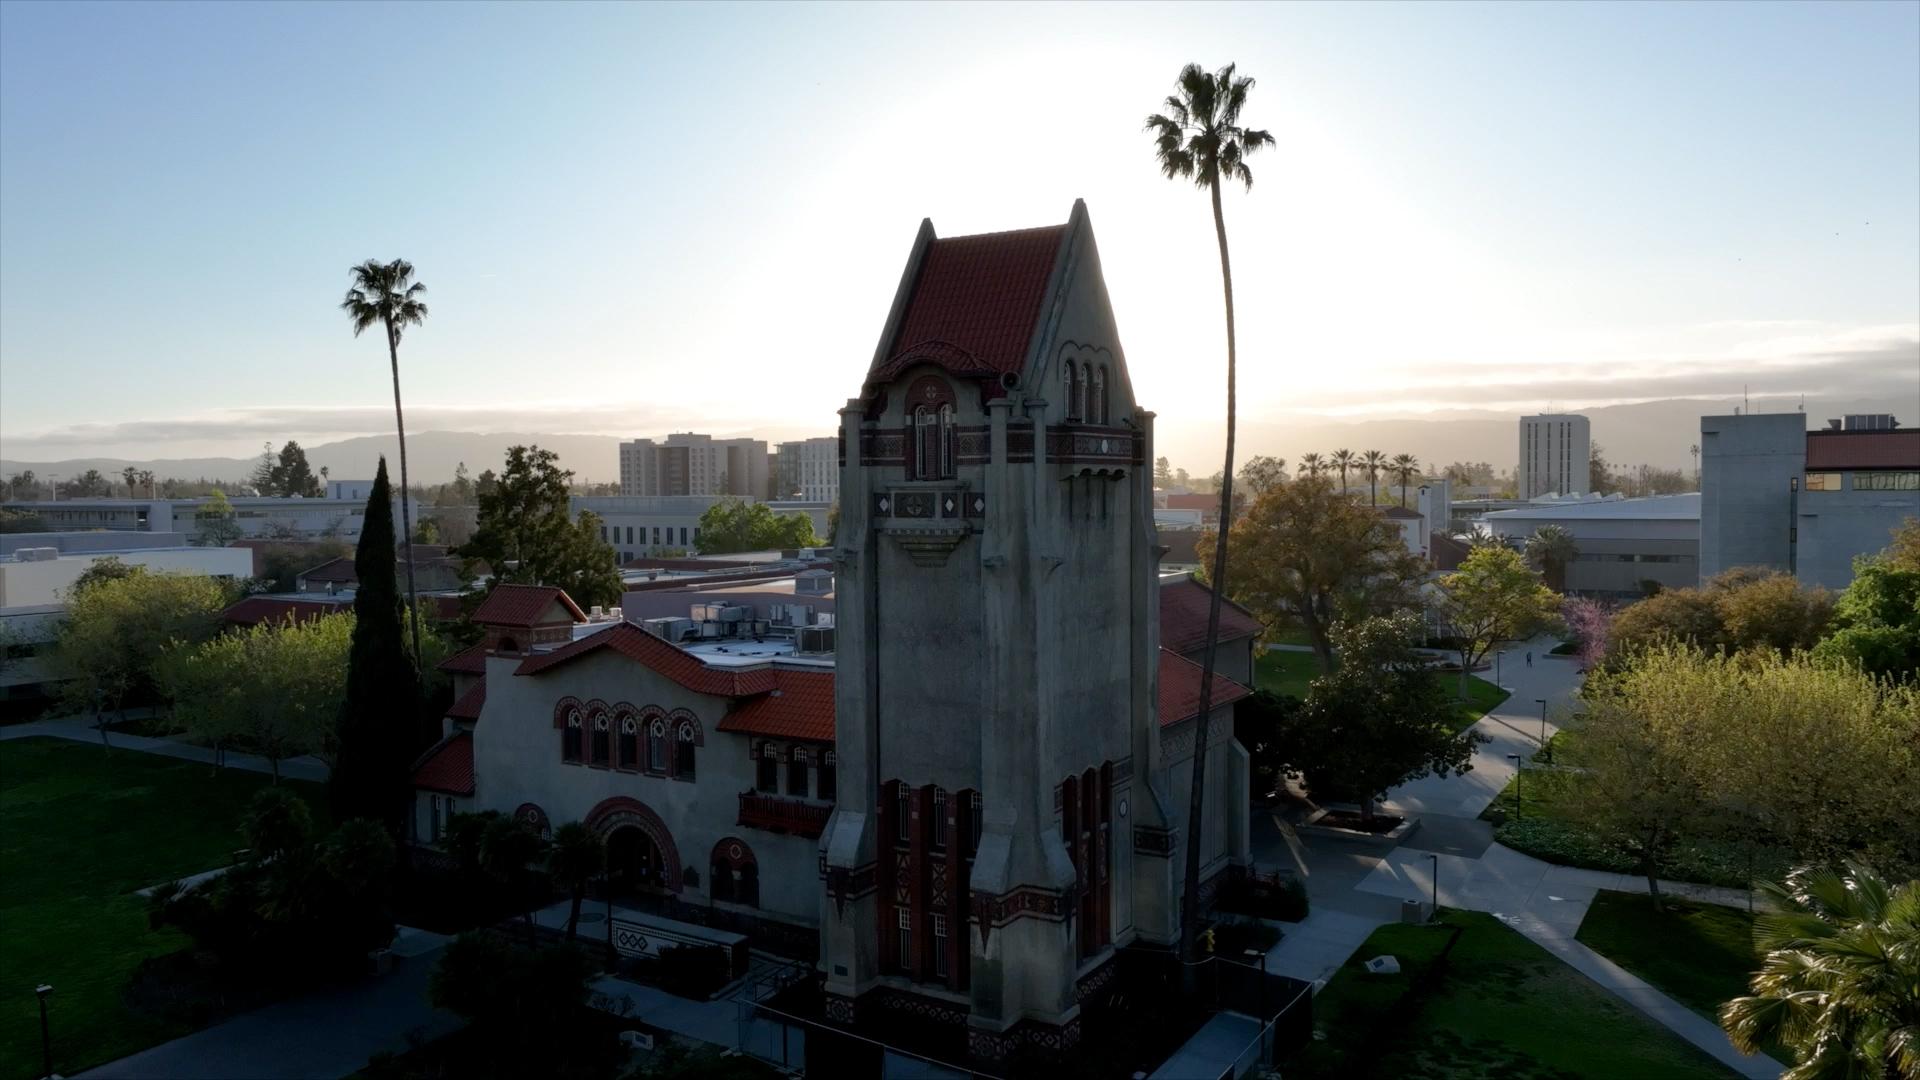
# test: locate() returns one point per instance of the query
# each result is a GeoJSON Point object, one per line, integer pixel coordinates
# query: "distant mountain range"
{"type": "Point", "coordinates": [1652, 433]}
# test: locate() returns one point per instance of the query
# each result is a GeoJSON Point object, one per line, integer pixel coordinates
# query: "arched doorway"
{"type": "Point", "coordinates": [634, 862]}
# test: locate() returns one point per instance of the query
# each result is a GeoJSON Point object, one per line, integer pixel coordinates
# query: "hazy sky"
{"type": "Point", "coordinates": [641, 218]}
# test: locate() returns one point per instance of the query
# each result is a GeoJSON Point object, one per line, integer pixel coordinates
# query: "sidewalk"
{"type": "Point", "coordinates": [81, 729]}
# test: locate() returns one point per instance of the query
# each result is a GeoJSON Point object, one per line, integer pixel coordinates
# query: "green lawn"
{"type": "Point", "coordinates": [1698, 954]}
{"type": "Point", "coordinates": [1504, 1008]}
{"type": "Point", "coordinates": [1287, 672]}
{"type": "Point", "coordinates": [80, 829]}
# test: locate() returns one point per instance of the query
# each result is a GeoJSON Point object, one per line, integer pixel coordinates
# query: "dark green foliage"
{"type": "Point", "coordinates": [291, 907]}
{"type": "Point", "coordinates": [528, 1007]}
{"type": "Point", "coordinates": [1879, 619]}
{"type": "Point", "coordinates": [737, 525]}
{"type": "Point", "coordinates": [287, 474]}
{"type": "Point", "coordinates": [576, 857]}
{"type": "Point", "coordinates": [21, 521]}
{"type": "Point", "coordinates": [690, 971]}
{"type": "Point", "coordinates": [380, 730]}
{"type": "Point", "coordinates": [1259, 724]}
{"type": "Point", "coordinates": [527, 534]}
{"type": "Point", "coordinates": [100, 572]}
{"type": "Point", "coordinates": [1283, 898]}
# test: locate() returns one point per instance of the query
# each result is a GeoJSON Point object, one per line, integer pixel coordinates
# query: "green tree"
{"type": "Point", "coordinates": [1312, 464]}
{"type": "Point", "coordinates": [1742, 608]}
{"type": "Point", "coordinates": [1878, 619]}
{"type": "Point", "coordinates": [1404, 467]}
{"type": "Point", "coordinates": [23, 486]}
{"type": "Point", "coordinates": [1551, 548]}
{"type": "Point", "coordinates": [1200, 138]}
{"type": "Point", "coordinates": [1491, 598]}
{"type": "Point", "coordinates": [287, 474]}
{"type": "Point", "coordinates": [527, 1007]}
{"type": "Point", "coordinates": [737, 525]}
{"type": "Point", "coordinates": [21, 521]}
{"type": "Point", "coordinates": [833, 521]}
{"type": "Point", "coordinates": [1162, 473]}
{"type": "Point", "coordinates": [215, 521]}
{"type": "Point", "coordinates": [576, 857]}
{"type": "Point", "coordinates": [1378, 719]}
{"type": "Point", "coordinates": [109, 649]}
{"type": "Point", "coordinates": [427, 532]}
{"type": "Point", "coordinates": [379, 731]}
{"type": "Point", "coordinates": [507, 848]}
{"type": "Point", "coordinates": [528, 536]}
{"type": "Point", "coordinates": [1262, 474]}
{"type": "Point", "coordinates": [1307, 552]}
{"type": "Point", "coordinates": [100, 571]}
{"type": "Point", "coordinates": [386, 293]}
{"type": "Point", "coordinates": [276, 689]}
{"type": "Point", "coordinates": [276, 823]}
{"type": "Point", "coordinates": [1839, 982]}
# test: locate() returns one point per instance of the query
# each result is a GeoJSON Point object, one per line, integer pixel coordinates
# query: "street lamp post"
{"type": "Point", "coordinates": [1435, 912]}
{"type": "Point", "coordinates": [46, 1040]}
{"type": "Point", "coordinates": [1496, 666]}
{"type": "Point", "coordinates": [1519, 803]}
{"type": "Point", "coordinates": [1542, 702]}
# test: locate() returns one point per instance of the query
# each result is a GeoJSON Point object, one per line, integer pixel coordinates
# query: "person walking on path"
{"type": "Point", "coordinates": [1529, 657]}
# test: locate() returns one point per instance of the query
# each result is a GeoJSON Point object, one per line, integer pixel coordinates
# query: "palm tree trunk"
{"type": "Point", "coordinates": [406, 512]}
{"type": "Point", "coordinates": [1197, 803]}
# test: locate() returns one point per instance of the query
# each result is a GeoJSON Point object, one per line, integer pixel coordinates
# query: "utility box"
{"type": "Point", "coordinates": [1413, 912]}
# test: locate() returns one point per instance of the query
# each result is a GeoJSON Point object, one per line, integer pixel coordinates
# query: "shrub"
{"type": "Point", "coordinates": [691, 971]}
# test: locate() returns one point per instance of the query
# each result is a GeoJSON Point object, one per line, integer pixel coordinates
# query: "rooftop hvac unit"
{"type": "Point", "coordinates": [706, 612]}
{"type": "Point", "coordinates": [670, 628]}
{"type": "Point", "coordinates": [813, 582]}
{"type": "Point", "coordinates": [814, 639]}
{"type": "Point", "coordinates": [36, 554]}
{"type": "Point", "coordinates": [596, 613]}
{"type": "Point", "coordinates": [735, 613]}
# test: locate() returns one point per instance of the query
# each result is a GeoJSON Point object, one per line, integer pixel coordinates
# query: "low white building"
{"type": "Point", "coordinates": [256, 515]}
{"type": "Point", "coordinates": [1622, 544]}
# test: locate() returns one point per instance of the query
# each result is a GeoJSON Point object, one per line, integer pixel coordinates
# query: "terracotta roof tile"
{"type": "Point", "coordinates": [470, 703]}
{"type": "Point", "coordinates": [1183, 617]}
{"type": "Point", "coordinates": [255, 610]}
{"type": "Point", "coordinates": [800, 706]}
{"type": "Point", "coordinates": [670, 660]}
{"type": "Point", "coordinates": [976, 302]}
{"type": "Point", "coordinates": [1180, 689]}
{"type": "Point", "coordinates": [468, 661]}
{"type": "Point", "coordinates": [523, 605]}
{"type": "Point", "coordinates": [447, 767]}
{"type": "Point", "coordinates": [1863, 449]}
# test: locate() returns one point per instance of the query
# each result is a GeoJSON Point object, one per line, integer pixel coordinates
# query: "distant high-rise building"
{"type": "Point", "coordinates": [809, 468]}
{"type": "Point", "coordinates": [1554, 450]}
{"type": "Point", "coordinates": [690, 464]}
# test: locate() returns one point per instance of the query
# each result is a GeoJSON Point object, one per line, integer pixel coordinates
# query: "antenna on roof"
{"type": "Point", "coordinates": [1744, 400]}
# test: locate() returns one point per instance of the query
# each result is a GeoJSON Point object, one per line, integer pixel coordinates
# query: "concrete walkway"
{"type": "Point", "coordinates": [1355, 888]}
{"type": "Point", "coordinates": [321, 1036]}
{"type": "Point", "coordinates": [81, 729]}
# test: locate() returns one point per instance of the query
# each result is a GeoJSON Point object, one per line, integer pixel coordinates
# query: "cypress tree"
{"type": "Point", "coordinates": [378, 732]}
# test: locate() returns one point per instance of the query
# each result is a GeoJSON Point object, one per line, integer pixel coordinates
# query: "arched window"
{"type": "Point", "coordinates": [602, 739]}
{"type": "Point", "coordinates": [1066, 389]}
{"type": "Point", "coordinates": [683, 750]}
{"type": "Point", "coordinates": [1080, 377]}
{"type": "Point", "coordinates": [939, 819]}
{"type": "Point", "coordinates": [657, 746]}
{"type": "Point", "coordinates": [767, 769]}
{"type": "Point", "coordinates": [735, 874]}
{"type": "Point", "coordinates": [629, 741]}
{"type": "Point", "coordinates": [1099, 404]}
{"type": "Point", "coordinates": [946, 441]}
{"type": "Point", "coordinates": [570, 737]}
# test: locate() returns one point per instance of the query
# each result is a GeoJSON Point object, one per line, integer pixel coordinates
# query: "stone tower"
{"type": "Point", "coordinates": [997, 652]}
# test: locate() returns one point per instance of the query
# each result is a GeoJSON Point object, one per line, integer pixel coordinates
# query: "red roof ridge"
{"type": "Point", "coordinates": [664, 657]}
{"type": "Point", "coordinates": [519, 605]}
{"type": "Point", "coordinates": [471, 660]}
{"type": "Point", "coordinates": [447, 766]}
{"type": "Point", "coordinates": [470, 704]}
{"type": "Point", "coordinates": [1179, 698]}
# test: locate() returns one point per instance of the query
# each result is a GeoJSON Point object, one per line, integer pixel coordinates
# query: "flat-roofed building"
{"type": "Point", "coordinates": [808, 469]}
{"type": "Point", "coordinates": [1622, 544]}
{"type": "Point", "coordinates": [686, 463]}
{"type": "Point", "coordinates": [1554, 452]}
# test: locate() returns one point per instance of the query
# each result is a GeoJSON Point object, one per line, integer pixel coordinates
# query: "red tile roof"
{"type": "Point", "coordinates": [448, 767]}
{"type": "Point", "coordinates": [470, 703]}
{"type": "Point", "coordinates": [468, 661]}
{"type": "Point", "coordinates": [1180, 689]}
{"type": "Point", "coordinates": [1399, 512]}
{"type": "Point", "coordinates": [976, 302]}
{"type": "Point", "coordinates": [1863, 449]}
{"type": "Point", "coordinates": [255, 610]}
{"type": "Point", "coordinates": [1183, 617]}
{"type": "Point", "coordinates": [523, 605]}
{"type": "Point", "coordinates": [670, 660]}
{"type": "Point", "coordinates": [800, 706]}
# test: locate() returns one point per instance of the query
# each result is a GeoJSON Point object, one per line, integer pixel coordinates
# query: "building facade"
{"type": "Point", "coordinates": [960, 780]}
{"type": "Point", "coordinates": [808, 470]}
{"type": "Point", "coordinates": [686, 463]}
{"type": "Point", "coordinates": [1774, 494]}
{"type": "Point", "coordinates": [1625, 548]}
{"type": "Point", "coordinates": [256, 515]}
{"type": "Point", "coordinates": [1555, 449]}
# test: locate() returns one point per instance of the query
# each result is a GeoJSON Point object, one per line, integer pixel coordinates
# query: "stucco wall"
{"type": "Point", "coordinates": [517, 760]}
{"type": "Point", "coordinates": [1747, 468]}
{"type": "Point", "coordinates": [1836, 526]}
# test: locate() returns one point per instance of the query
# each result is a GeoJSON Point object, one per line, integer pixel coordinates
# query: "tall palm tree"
{"type": "Point", "coordinates": [1839, 977]}
{"type": "Point", "coordinates": [1200, 138]}
{"type": "Point", "coordinates": [1312, 463]}
{"type": "Point", "coordinates": [386, 293]}
{"type": "Point", "coordinates": [1404, 467]}
{"type": "Point", "coordinates": [576, 857]}
{"type": "Point", "coordinates": [1551, 547]}
{"type": "Point", "coordinates": [1343, 460]}
{"type": "Point", "coordinates": [1373, 461]}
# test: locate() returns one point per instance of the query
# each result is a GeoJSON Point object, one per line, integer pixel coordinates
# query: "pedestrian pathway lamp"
{"type": "Point", "coordinates": [1435, 913]}
{"type": "Point", "coordinates": [1542, 702]}
{"type": "Point", "coordinates": [1519, 803]}
{"type": "Point", "coordinates": [46, 1041]}
{"type": "Point", "coordinates": [1496, 666]}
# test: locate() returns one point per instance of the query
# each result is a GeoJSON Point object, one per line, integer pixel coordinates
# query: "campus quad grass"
{"type": "Point", "coordinates": [1698, 954]}
{"type": "Point", "coordinates": [1288, 672]}
{"type": "Point", "coordinates": [80, 829]}
{"type": "Point", "coordinates": [1505, 1008]}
